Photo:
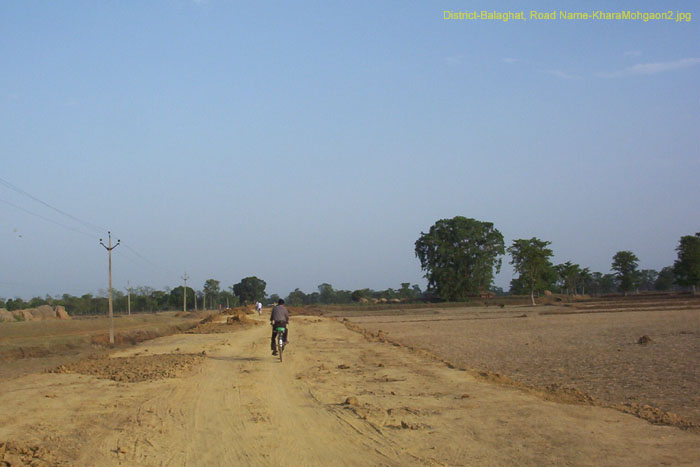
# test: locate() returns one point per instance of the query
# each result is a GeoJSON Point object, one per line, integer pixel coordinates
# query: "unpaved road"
{"type": "Point", "coordinates": [242, 407]}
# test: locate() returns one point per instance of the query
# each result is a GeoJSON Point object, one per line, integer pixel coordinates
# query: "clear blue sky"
{"type": "Point", "coordinates": [311, 142]}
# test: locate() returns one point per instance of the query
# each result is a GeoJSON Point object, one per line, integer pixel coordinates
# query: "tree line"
{"type": "Point", "coordinates": [147, 299]}
{"type": "Point", "coordinates": [211, 297]}
{"type": "Point", "coordinates": [461, 255]}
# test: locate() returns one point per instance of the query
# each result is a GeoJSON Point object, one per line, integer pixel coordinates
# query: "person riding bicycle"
{"type": "Point", "coordinates": [279, 318]}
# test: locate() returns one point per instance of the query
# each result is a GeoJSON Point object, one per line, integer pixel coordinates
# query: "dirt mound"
{"type": "Point", "coordinates": [208, 326]}
{"type": "Point", "coordinates": [129, 337]}
{"type": "Point", "coordinates": [657, 416]}
{"type": "Point", "coordinates": [191, 314]}
{"type": "Point", "coordinates": [248, 310]}
{"type": "Point", "coordinates": [644, 340]}
{"type": "Point", "coordinates": [570, 395]}
{"type": "Point", "coordinates": [15, 453]}
{"type": "Point", "coordinates": [238, 318]}
{"type": "Point", "coordinates": [133, 369]}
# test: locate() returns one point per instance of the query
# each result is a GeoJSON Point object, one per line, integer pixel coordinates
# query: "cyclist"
{"type": "Point", "coordinates": [279, 318]}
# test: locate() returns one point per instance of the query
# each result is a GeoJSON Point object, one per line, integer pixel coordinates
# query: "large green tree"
{"type": "Point", "coordinates": [531, 262]}
{"type": "Point", "coordinates": [687, 266]}
{"type": "Point", "coordinates": [250, 289]}
{"type": "Point", "coordinates": [625, 266]}
{"type": "Point", "coordinates": [459, 256]}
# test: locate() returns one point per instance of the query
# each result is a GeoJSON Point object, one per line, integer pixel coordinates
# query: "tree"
{"type": "Point", "coordinates": [665, 279]}
{"type": "Point", "coordinates": [584, 279]}
{"type": "Point", "coordinates": [459, 256]}
{"type": "Point", "coordinates": [296, 298]}
{"type": "Point", "coordinates": [250, 289]}
{"type": "Point", "coordinates": [358, 295]}
{"type": "Point", "coordinates": [326, 293]}
{"type": "Point", "coordinates": [569, 274]}
{"type": "Point", "coordinates": [531, 261]}
{"type": "Point", "coordinates": [228, 298]}
{"type": "Point", "coordinates": [647, 279]}
{"type": "Point", "coordinates": [175, 298]}
{"type": "Point", "coordinates": [687, 266]}
{"type": "Point", "coordinates": [211, 290]}
{"type": "Point", "coordinates": [273, 299]}
{"type": "Point", "coordinates": [625, 266]}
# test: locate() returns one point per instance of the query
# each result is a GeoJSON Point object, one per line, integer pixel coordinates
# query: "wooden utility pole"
{"type": "Point", "coordinates": [184, 293]}
{"type": "Point", "coordinates": [109, 249]}
{"type": "Point", "coordinates": [128, 298]}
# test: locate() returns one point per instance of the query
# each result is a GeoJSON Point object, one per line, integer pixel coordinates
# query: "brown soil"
{"type": "Point", "coordinates": [593, 355]}
{"type": "Point", "coordinates": [337, 399]}
{"type": "Point", "coordinates": [133, 369]}
{"type": "Point", "coordinates": [214, 324]}
{"type": "Point", "coordinates": [20, 454]}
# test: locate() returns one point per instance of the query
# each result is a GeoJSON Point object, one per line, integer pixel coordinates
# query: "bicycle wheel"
{"type": "Point", "coordinates": [280, 347]}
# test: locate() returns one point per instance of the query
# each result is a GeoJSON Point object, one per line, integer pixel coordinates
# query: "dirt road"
{"type": "Point", "coordinates": [240, 406]}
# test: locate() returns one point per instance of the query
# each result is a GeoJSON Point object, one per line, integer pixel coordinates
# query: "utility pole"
{"type": "Point", "coordinates": [184, 293]}
{"type": "Point", "coordinates": [109, 249]}
{"type": "Point", "coordinates": [128, 297]}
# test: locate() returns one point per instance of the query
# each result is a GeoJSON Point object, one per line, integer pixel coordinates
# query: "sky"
{"type": "Point", "coordinates": [311, 142]}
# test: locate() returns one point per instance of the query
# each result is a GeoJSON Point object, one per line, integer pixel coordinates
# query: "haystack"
{"type": "Point", "coordinates": [61, 313]}
{"type": "Point", "coordinates": [23, 315]}
{"type": "Point", "coordinates": [43, 312]}
{"type": "Point", "coordinates": [6, 316]}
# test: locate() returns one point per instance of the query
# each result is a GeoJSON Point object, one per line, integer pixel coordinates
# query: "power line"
{"type": "Point", "coordinates": [139, 255]}
{"type": "Point", "coordinates": [47, 219]}
{"type": "Point", "coordinates": [9, 185]}
{"type": "Point", "coordinates": [77, 219]}
{"type": "Point", "coordinates": [19, 190]}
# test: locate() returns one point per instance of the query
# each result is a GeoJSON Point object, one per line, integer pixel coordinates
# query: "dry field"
{"type": "Point", "coordinates": [591, 346]}
{"type": "Point", "coordinates": [29, 347]}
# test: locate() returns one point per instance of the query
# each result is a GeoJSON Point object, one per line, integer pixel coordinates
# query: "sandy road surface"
{"type": "Point", "coordinates": [242, 407]}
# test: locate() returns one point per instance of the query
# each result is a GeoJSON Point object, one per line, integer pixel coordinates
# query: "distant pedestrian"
{"type": "Point", "coordinates": [258, 308]}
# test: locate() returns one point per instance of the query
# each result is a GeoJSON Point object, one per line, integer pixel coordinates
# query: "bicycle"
{"type": "Point", "coordinates": [280, 330]}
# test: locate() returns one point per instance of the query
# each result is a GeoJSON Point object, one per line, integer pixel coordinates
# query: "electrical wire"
{"type": "Point", "coordinates": [22, 192]}
{"type": "Point", "coordinates": [47, 219]}
{"type": "Point", "coordinates": [77, 219]}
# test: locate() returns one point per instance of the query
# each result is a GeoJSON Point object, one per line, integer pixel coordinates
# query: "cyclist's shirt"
{"type": "Point", "coordinates": [280, 314]}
